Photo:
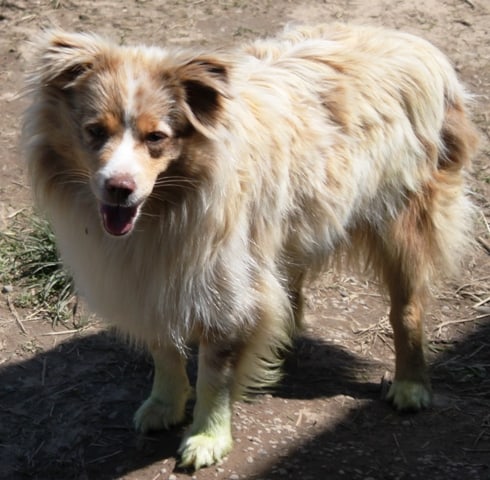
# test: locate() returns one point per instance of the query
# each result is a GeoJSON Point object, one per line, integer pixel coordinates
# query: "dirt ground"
{"type": "Point", "coordinates": [67, 397]}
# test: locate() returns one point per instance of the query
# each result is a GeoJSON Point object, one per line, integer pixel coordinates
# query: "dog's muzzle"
{"type": "Point", "coordinates": [117, 210]}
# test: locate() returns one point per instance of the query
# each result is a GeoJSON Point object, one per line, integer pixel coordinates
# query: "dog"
{"type": "Point", "coordinates": [193, 194]}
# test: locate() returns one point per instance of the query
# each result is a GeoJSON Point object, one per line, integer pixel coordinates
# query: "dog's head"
{"type": "Point", "coordinates": [130, 110]}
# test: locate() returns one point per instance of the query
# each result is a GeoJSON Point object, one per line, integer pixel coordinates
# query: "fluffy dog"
{"type": "Point", "coordinates": [192, 195]}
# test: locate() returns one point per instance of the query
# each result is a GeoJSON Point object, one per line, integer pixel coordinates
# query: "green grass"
{"type": "Point", "coordinates": [29, 261]}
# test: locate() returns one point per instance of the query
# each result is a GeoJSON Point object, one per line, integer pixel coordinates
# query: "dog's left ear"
{"type": "Point", "coordinates": [206, 86]}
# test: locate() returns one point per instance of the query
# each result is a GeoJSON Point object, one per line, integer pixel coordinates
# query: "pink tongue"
{"type": "Point", "coordinates": [118, 220]}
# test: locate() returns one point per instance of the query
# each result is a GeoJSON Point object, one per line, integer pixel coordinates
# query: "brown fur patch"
{"type": "Point", "coordinates": [459, 137]}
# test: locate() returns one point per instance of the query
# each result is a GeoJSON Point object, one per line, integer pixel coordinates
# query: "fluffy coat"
{"type": "Point", "coordinates": [192, 195]}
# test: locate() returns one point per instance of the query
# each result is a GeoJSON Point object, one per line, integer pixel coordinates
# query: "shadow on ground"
{"type": "Point", "coordinates": [448, 441]}
{"type": "Point", "coordinates": [66, 414]}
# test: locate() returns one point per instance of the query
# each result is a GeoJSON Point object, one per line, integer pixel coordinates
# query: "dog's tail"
{"type": "Point", "coordinates": [436, 228]}
{"type": "Point", "coordinates": [459, 138]}
{"type": "Point", "coordinates": [432, 233]}
{"type": "Point", "coordinates": [453, 211]}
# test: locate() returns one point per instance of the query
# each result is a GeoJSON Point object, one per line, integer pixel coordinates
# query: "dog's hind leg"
{"type": "Point", "coordinates": [171, 389]}
{"type": "Point", "coordinates": [403, 255]}
{"type": "Point", "coordinates": [411, 388]}
{"type": "Point", "coordinates": [427, 239]}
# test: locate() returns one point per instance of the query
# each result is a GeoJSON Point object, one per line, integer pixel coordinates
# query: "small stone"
{"type": "Point", "coordinates": [234, 476]}
{"type": "Point", "coordinates": [7, 289]}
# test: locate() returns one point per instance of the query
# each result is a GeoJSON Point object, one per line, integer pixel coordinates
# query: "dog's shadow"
{"type": "Point", "coordinates": [67, 412]}
{"type": "Point", "coordinates": [314, 368]}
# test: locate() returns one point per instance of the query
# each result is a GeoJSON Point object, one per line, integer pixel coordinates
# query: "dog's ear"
{"type": "Point", "coordinates": [61, 59]}
{"type": "Point", "coordinates": [206, 86]}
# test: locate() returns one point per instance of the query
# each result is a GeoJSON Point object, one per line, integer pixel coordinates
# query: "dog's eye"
{"type": "Point", "coordinates": [97, 134]}
{"type": "Point", "coordinates": [154, 138]}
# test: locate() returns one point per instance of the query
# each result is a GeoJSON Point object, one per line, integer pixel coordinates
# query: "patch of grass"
{"type": "Point", "coordinates": [244, 32]}
{"type": "Point", "coordinates": [29, 260]}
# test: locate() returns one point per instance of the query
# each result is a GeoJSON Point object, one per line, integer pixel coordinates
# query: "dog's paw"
{"type": "Point", "coordinates": [204, 449]}
{"type": "Point", "coordinates": [408, 395]}
{"type": "Point", "coordinates": [156, 414]}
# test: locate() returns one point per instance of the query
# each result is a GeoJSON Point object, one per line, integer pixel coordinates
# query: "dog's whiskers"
{"type": "Point", "coordinates": [180, 182]}
{"type": "Point", "coordinates": [149, 215]}
{"type": "Point", "coordinates": [73, 181]}
{"type": "Point", "coordinates": [163, 199]}
{"type": "Point", "coordinates": [73, 177]}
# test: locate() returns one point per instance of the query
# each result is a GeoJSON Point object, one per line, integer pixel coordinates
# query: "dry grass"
{"type": "Point", "coordinates": [29, 260]}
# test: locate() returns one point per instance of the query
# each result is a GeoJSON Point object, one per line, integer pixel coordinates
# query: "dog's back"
{"type": "Point", "coordinates": [389, 113]}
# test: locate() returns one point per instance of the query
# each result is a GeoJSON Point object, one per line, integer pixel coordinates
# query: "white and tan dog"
{"type": "Point", "coordinates": [193, 194]}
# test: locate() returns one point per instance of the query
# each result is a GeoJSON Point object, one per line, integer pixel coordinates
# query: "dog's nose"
{"type": "Point", "coordinates": [119, 187]}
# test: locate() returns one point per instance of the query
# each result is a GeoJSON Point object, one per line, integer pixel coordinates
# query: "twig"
{"type": "Point", "coordinates": [485, 221]}
{"type": "Point", "coordinates": [26, 18]}
{"type": "Point", "coordinates": [484, 345]}
{"type": "Point", "coordinates": [16, 315]}
{"type": "Point", "coordinates": [13, 5]}
{"type": "Point", "coordinates": [43, 372]}
{"type": "Point", "coordinates": [300, 417]}
{"type": "Point", "coordinates": [64, 390]}
{"type": "Point", "coordinates": [399, 449]}
{"type": "Point", "coordinates": [482, 302]}
{"type": "Point", "coordinates": [470, 295]}
{"type": "Point", "coordinates": [31, 456]}
{"type": "Point", "coordinates": [104, 457]}
{"type": "Point", "coordinates": [66, 332]}
{"type": "Point", "coordinates": [451, 322]}
{"type": "Point", "coordinates": [484, 244]}
{"type": "Point", "coordinates": [474, 282]}
{"type": "Point", "coordinates": [478, 438]}
{"type": "Point", "coordinates": [14, 214]}
{"type": "Point", "coordinates": [380, 325]}
{"type": "Point", "coordinates": [483, 310]}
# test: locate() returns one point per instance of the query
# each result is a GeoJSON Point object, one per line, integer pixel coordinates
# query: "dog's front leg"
{"type": "Point", "coordinates": [166, 404]}
{"type": "Point", "coordinates": [209, 437]}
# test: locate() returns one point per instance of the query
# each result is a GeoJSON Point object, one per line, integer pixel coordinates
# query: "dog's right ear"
{"type": "Point", "coordinates": [61, 59]}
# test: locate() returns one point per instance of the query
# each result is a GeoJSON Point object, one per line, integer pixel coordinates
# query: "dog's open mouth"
{"type": "Point", "coordinates": [117, 219]}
